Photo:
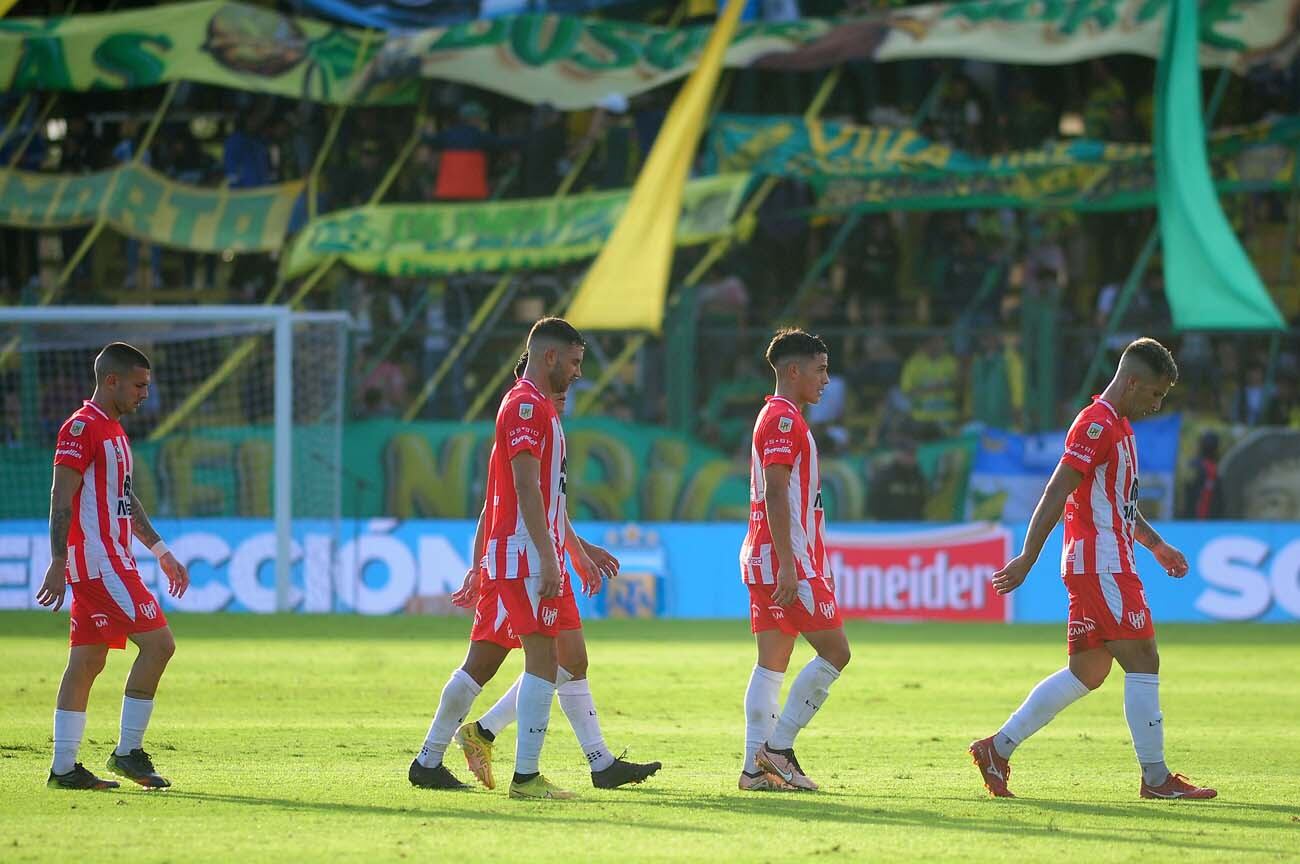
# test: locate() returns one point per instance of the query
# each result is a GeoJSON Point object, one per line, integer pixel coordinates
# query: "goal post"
{"type": "Point", "coordinates": [285, 396]}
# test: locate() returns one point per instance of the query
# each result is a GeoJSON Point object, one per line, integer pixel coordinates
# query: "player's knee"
{"type": "Point", "coordinates": [840, 657]}
{"type": "Point", "coordinates": [162, 648]}
{"type": "Point", "coordinates": [88, 666]}
{"type": "Point", "coordinates": [1092, 678]}
{"type": "Point", "coordinates": [575, 666]}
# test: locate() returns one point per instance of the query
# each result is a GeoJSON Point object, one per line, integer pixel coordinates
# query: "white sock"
{"type": "Point", "coordinates": [578, 706]}
{"type": "Point", "coordinates": [453, 707]}
{"type": "Point", "coordinates": [762, 701]}
{"type": "Point", "coordinates": [535, 698]}
{"type": "Point", "coordinates": [1146, 723]}
{"type": "Point", "coordinates": [135, 719]}
{"type": "Point", "coordinates": [1053, 694]}
{"type": "Point", "coordinates": [69, 726]}
{"type": "Point", "coordinates": [502, 714]}
{"type": "Point", "coordinates": [807, 694]}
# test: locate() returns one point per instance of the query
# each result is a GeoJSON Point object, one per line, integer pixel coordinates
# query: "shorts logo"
{"type": "Point", "coordinates": [100, 620]}
{"type": "Point", "coordinates": [1137, 620]}
{"type": "Point", "coordinates": [1094, 431]}
{"type": "Point", "coordinates": [785, 424]}
{"type": "Point", "coordinates": [776, 612]}
{"type": "Point", "coordinates": [525, 410]}
{"type": "Point", "coordinates": [827, 609]}
{"type": "Point", "coordinates": [149, 610]}
{"type": "Point", "coordinates": [1078, 629]}
{"type": "Point", "coordinates": [754, 611]}
{"type": "Point", "coordinates": [77, 427]}
{"type": "Point", "coordinates": [548, 617]}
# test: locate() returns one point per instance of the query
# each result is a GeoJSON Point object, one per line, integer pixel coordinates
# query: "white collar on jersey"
{"type": "Point", "coordinates": [535, 388]}
{"type": "Point", "coordinates": [87, 403]}
{"type": "Point", "coordinates": [1109, 407]}
{"type": "Point", "coordinates": [776, 398]}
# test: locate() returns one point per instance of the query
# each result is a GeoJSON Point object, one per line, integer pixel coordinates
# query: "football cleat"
{"type": "Point", "coordinates": [478, 752]}
{"type": "Point", "coordinates": [761, 781]}
{"type": "Point", "coordinates": [79, 778]}
{"type": "Point", "coordinates": [785, 766]}
{"type": "Point", "coordinates": [539, 788]}
{"type": "Point", "coordinates": [994, 770]}
{"type": "Point", "coordinates": [622, 773]}
{"type": "Point", "coordinates": [137, 766]}
{"type": "Point", "coordinates": [1177, 786]}
{"type": "Point", "coordinates": [437, 777]}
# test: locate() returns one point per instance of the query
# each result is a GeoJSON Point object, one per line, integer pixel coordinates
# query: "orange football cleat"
{"type": "Point", "coordinates": [1177, 786]}
{"type": "Point", "coordinates": [995, 770]}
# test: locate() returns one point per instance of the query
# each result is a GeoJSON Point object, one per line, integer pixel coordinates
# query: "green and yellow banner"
{"type": "Point", "coordinates": [575, 62]}
{"type": "Point", "coordinates": [227, 44]}
{"type": "Point", "coordinates": [426, 239]}
{"type": "Point", "coordinates": [866, 167]}
{"type": "Point", "coordinates": [141, 203]}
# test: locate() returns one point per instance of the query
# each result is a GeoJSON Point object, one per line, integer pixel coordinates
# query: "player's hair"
{"type": "Point", "coordinates": [1153, 356]}
{"type": "Point", "coordinates": [791, 343]}
{"type": "Point", "coordinates": [555, 330]}
{"type": "Point", "coordinates": [521, 365]}
{"type": "Point", "coordinates": [118, 358]}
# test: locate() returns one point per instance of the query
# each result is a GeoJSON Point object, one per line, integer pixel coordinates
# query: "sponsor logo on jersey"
{"type": "Point", "coordinates": [77, 427]}
{"type": "Point", "coordinates": [548, 617]}
{"type": "Point", "coordinates": [1083, 456]}
{"type": "Point", "coordinates": [1137, 619]}
{"type": "Point", "coordinates": [1095, 430]}
{"type": "Point", "coordinates": [1077, 629]}
{"type": "Point", "coordinates": [776, 448]}
{"type": "Point", "coordinates": [525, 410]}
{"type": "Point", "coordinates": [785, 424]}
{"type": "Point", "coordinates": [149, 610]}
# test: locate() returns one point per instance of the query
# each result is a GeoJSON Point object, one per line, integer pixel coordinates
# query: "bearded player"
{"type": "Point", "coordinates": [1096, 484]}
{"type": "Point", "coordinates": [593, 564]}
{"type": "Point", "coordinates": [783, 561]}
{"type": "Point", "coordinates": [94, 513]}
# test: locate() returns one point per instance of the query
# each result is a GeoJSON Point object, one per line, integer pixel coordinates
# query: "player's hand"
{"type": "Point", "coordinates": [467, 596]}
{"type": "Point", "coordinates": [787, 586]}
{"type": "Point", "coordinates": [606, 563]}
{"type": "Point", "coordinates": [55, 586]}
{"type": "Point", "coordinates": [1010, 577]}
{"type": "Point", "coordinates": [1174, 562]}
{"type": "Point", "coordinates": [178, 578]}
{"type": "Point", "coordinates": [587, 571]}
{"type": "Point", "coordinates": [550, 579]}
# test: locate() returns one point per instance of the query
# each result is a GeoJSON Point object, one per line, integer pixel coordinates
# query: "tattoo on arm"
{"type": "Point", "coordinates": [1145, 534]}
{"type": "Point", "coordinates": [60, 523]}
{"type": "Point", "coordinates": [140, 524]}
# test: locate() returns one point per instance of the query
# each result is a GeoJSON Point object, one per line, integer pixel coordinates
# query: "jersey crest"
{"type": "Point", "coordinates": [77, 427]}
{"type": "Point", "coordinates": [525, 410]}
{"type": "Point", "coordinates": [1095, 430]}
{"type": "Point", "coordinates": [785, 424]}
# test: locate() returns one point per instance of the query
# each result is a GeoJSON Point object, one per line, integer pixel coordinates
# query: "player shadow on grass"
{"type": "Point", "coordinates": [524, 812]}
{"type": "Point", "coordinates": [1216, 813]}
{"type": "Point", "coordinates": [823, 806]}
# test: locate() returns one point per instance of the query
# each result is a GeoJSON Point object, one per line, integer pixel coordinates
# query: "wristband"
{"type": "Point", "coordinates": [159, 549]}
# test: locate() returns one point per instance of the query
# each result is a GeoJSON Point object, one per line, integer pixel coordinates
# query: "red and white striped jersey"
{"type": "Point", "coordinates": [526, 423]}
{"type": "Point", "coordinates": [782, 437]}
{"type": "Point", "coordinates": [1101, 515]}
{"type": "Point", "coordinates": [99, 539]}
{"type": "Point", "coordinates": [487, 524]}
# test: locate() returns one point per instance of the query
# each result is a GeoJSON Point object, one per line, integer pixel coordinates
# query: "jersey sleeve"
{"type": "Point", "coordinates": [526, 427]}
{"type": "Point", "coordinates": [777, 440]}
{"type": "Point", "coordinates": [76, 445]}
{"type": "Point", "coordinates": [1088, 444]}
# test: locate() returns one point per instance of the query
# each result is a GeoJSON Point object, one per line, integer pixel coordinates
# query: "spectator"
{"type": "Point", "coordinates": [357, 184]}
{"type": "Point", "coordinates": [1253, 399]}
{"type": "Point", "coordinates": [868, 272]}
{"type": "Point", "coordinates": [1203, 499]}
{"type": "Point", "coordinates": [543, 153]}
{"type": "Point", "coordinates": [898, 490]}
{"type": "Point", "coordinates": [827, 416]}
{"type": "Point", "coordinates": [963, 276]}
{"type": "Point", "coordinates": [246, 155]}
{"type": "Point", "coordinates": [463, 168]}
{"type": "Point", "coordinates": [930, 385]}
{"type": "Point", "coordinates": [613, 136]}
{"type": "Point", "coordinates": [1283, 408]}
{"type": "Point", "coordinates": [996, 395]}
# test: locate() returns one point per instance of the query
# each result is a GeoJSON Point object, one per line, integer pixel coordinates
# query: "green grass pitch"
{"type": "Point", "coordinates": [288, 738]}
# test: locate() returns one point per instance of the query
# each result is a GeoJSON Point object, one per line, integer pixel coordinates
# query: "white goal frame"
{"type": "Point", "coordinates": [281, 320]}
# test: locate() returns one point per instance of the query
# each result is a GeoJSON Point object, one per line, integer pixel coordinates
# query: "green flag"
{"type": "Point", "coordinates": [1210, 282]}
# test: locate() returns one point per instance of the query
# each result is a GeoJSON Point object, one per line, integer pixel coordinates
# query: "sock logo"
{"type": "Point", "coordinates": [592, 757]}
{"type": "Point", "coordinates": [1155, 722]}
{"type": "Point", "coordinates": [533, 731]}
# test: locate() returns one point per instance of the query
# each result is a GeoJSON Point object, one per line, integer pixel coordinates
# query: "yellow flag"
{"type": "Point", "coordinates": [626, 287]}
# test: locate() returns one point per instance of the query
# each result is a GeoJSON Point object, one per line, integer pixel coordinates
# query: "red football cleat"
{"type": "Point", "coordinates": [995, 770]}
{"type": "Point", "coordinates": [1177, 786]}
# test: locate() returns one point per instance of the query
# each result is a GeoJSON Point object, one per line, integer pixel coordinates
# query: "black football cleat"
{"type": "Point", "coordinates": [437, 777]}
{"type": "Point", "coordinates": [79, 778]}
{"type": "Point", "coordinates": [138, 767]}
{"type": "Point", "coordinates": [622, 773]}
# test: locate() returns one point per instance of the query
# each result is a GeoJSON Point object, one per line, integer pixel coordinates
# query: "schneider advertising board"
{"type": "Point", "coordinates": [1239, 571]}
